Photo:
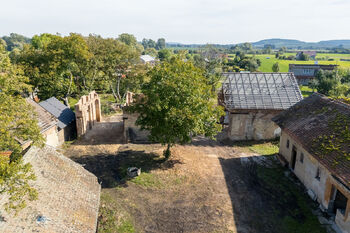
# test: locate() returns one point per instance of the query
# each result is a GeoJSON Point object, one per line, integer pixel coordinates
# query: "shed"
{"type": "Point", "coordinates": [47, 124]}
{"type": "Point", "coordinates": [64, 115]}
{"type": "Point", "coordinates": [252, 99]}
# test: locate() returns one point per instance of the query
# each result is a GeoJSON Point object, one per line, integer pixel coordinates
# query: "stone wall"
{"type": "Point", "coordinates": [87, 112]}
{"type": "Point", "coordinates": [252, 125]}
{"type": "Point", "coordinates": [132, 132]}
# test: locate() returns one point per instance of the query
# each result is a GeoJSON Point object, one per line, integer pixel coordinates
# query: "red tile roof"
{"type": "Point", "coordinates": [322, 126]}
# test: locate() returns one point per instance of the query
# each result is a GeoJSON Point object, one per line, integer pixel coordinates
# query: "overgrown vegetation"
{"type": "Point", "coordinates": [177, 104]}
{"type": "Point", "coordinates": [17, 124]}
{"type": "Point", "coordinates": [292, 203]}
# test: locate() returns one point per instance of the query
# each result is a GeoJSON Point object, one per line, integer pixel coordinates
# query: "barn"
{"type": "Point", "coordinates": [252, 99]}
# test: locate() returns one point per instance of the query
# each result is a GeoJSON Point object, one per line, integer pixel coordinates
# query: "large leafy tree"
{"type": "Point", "coordinates": [178, 104]}
{"type": "Point", "coordinates": [55, 64]}
{"type": "Point", "coordinates": [17, 123]}
{"type": "Point", "coordinates": [325, 81]}
{"type": "Point", "coordinates": [15, 41]}
{"type": "Point", "coordinates": [117, 64]}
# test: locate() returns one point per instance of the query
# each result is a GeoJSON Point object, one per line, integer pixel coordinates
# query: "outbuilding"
{"type": "Point", "coordinates": [252, 99]}
{"type": "Point", "coordinates": [65, 118]}
{"type": "Point", "coordinates": [315, 144]}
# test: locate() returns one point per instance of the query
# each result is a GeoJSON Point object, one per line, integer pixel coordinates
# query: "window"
{"type": "Point", "coordinates": [288, 143]}
{"type": "Point", "coordinates": [308, 71]}
{"type": "Point", "coordinates": [302, 157]}
{"type": "Point", "coordinates": [318, 174]}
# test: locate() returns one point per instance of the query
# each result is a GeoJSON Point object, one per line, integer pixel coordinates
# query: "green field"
{"type": "Point", "coordinates": [267, 60]}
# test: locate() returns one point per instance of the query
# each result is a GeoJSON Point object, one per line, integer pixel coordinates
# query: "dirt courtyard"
{"type": "Point", "coordinates": [203, 187]}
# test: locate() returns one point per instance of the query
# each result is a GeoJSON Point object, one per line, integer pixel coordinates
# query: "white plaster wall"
{"type": "Point", "coordinates": [252, 126]}
{"type": "Point", "coordinates": [343, 225]}
{"type": "Point", "coordinates": [51, 136]}
{"type": "Point", "coordinates": [306, 171]}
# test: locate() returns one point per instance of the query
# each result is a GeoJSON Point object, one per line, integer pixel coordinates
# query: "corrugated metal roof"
{"type": "Point", "coordinates": [64, 114]}
{"type": "Point", "coordinates": [270, 91]}
{"type": "Point", "coordinates": [322, 126]}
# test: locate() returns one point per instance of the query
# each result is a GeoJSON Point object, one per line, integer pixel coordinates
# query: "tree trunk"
{"type": "Point", "coordinates": [66, 101]}
{"type": "Point", "coordinates": [118, 87]}
{"type": "Point", "coordinates": [167, 152]}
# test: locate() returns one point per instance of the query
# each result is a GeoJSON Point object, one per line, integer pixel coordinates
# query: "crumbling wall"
{"type": "Point", "coordinates": [252, 125]}
{"type": "Point", "coordinates": [132, 132]}
{"type": "Point", "coordinates": [87, 112]}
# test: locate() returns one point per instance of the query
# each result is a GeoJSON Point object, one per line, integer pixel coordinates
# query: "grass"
{"type": "Point", "coordinates": [293, 205]}
{"type": "Point", "coordinates": [72, 102]}
{"type": "Point", "coordinates": [268, 148]}
{"type": "Point", "coordinates": [112, 217]}
{"type": "Point", "coordinates": [260, 147]}
{"type": "Point", "coordinates": [306, 91]}
{"type": "Point", "coordinates": [266, 64]}
{"type": "Point", "coordinates": [147, 180]}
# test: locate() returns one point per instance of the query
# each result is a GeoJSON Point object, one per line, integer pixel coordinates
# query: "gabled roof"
{"type": "Point", "coordinates": [68, 196]}
{"type": "Point", "coordinates": [64, 114]}
{"type": "Point", "coordinates": [270, 91]}
{"type": "Point", "coordinates": [147, 58]}
{"type": "Point", "coordinates": [45, 119]}
{"type": "Point", "coordinates": [322, 126]}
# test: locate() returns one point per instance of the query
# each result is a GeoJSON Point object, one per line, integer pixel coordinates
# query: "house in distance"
{"type": "Point", "coordinates": [252, 99]}
{"type": "Point", "coordinates": [304, 73]}
{"type": "Point", "coordinates": [315, 144]}
{"type": "Point", "coordinates": [311, 54]}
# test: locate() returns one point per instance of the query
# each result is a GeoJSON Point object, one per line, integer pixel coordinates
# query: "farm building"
{"type": "Point", "coordinates": [315, 143]}
{"type": "Point", "coordinates": [304, 73]}
{"type": "Point", "coordinates": [66, 118]}
{"type": "Point", "coordinates": [147, 59]}
{"type": "Point", "coordinates": [252, 99]}
{"type": "Point", "coordinates": [68, 196]}
{"type": "Point", "coordinates": [47, 124]}
{"type": "Point", "coordinates": [311, 54]}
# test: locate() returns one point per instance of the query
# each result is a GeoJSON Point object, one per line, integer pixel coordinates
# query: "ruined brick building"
{"type": "Point", "coordinates": [87, 112]}
{"type": "Point", "coordinates": [252, 99]}
{"type": "Point", "coordinates": [315, 144]}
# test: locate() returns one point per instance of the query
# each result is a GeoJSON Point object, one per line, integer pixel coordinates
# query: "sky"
{"type": "Point", "coordinates": [184, 21]}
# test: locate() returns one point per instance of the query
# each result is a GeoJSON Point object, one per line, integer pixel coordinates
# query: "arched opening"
{"type": "Point", "coordinates": [98, 113]}
{"type": "Point", "coordinates": [90, 117]}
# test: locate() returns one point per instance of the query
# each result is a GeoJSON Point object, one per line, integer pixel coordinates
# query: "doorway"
{"type": "Point", "coordinates": [340, 202]}
{"type": "Point", "coordinates": [294, 157]}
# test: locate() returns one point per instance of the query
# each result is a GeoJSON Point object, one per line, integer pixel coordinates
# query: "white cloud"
{"type": "Point", "coordinates": [189, 21]}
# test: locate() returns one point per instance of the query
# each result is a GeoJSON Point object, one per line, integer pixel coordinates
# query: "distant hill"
{"type": "Point", "coordinates": [278, 43]}
{"type": "Point", "coordinates": [297, 44]}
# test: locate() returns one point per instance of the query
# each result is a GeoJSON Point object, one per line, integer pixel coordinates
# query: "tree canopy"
{"type": "Point", "coordinates": [178, 104]}
{"type": "Point", "coordinates": [17, 123]}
